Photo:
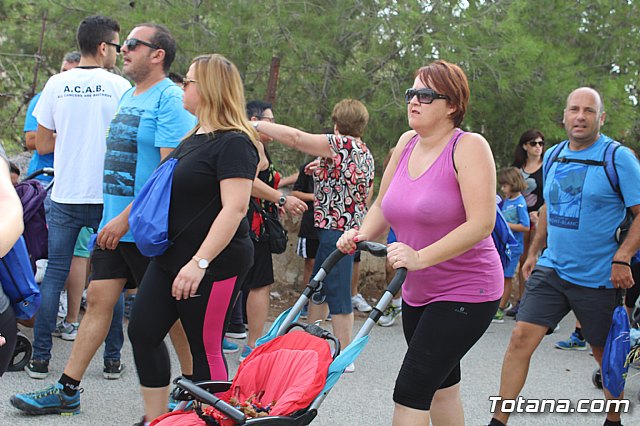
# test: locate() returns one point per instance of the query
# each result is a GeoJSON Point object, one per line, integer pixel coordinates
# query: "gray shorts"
{"type": "Point", "coordinates": [548, 298]}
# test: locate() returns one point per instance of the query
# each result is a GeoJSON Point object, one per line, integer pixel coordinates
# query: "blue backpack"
{"type": "Point", "coordinates": [502, 236]}
{"type": "Point", "coordinates": [149, 215]}
{"type": "Point", "coordinates": [18, 281]}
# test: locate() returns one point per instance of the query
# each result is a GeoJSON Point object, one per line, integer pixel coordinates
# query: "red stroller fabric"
{"type": "Point", "coordinates": [288, 372]}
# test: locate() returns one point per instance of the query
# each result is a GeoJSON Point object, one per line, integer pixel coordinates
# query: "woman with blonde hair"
{"type": "Point", "coordinates": [198, 277]}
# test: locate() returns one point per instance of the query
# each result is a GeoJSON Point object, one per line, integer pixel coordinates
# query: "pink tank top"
{"type": "Point", "coordinates": [423, 210]}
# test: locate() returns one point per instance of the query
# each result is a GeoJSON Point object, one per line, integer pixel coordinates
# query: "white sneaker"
{"type": "Point", "coordinates": [390, 315]}
{"type": "Point", "coordinates": [66, 331]}
{"type": "Point", "coordinates": [360, 304]}
{"type": "Point", "coordinates": [350, 368]}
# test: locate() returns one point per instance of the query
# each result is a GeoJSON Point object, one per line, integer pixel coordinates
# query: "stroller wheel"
{"type": "Point", "coordinates": [21, 354]}
{"type": "Point", "coordinates": [596, 378]}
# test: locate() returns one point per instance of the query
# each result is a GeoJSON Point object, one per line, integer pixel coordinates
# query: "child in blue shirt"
{"type": "Point", "coordinates": [514, 209]}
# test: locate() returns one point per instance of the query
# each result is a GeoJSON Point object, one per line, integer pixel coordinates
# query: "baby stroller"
{"type": "Point", "coordinates": [32, 195]}
{"type": "Point", "coordinates": [289, 374]}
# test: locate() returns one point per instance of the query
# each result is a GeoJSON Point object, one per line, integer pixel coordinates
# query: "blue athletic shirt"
{"type": "Point", "coordinates": [515, 211]}
{"type": "Point", "coordinates": [37, 161]}
{"type": "Point", "coordinates": [142, 125]}
{"type": "Point", "coordinates": [583, 213]}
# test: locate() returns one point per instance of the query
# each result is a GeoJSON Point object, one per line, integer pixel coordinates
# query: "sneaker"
{"type": "Point", "coordinates": [360, 304]}
{"type": "Point", "coordinates": [498, 318]}
{"type": "Point", "coordinates": [37, 369]}
{"type": "Point", "coordinates": [236, 331]}
{"type": "Point", "coordinates": [513, 311]}
{"type": "Point", "coordinates": [572, 343]}
{"type": "Point", "coordinates": [304, 313]}
{"type": "Point", "coordinates": [390, 315]}
{"type": "Point", "coordinates": [350, 368]}
{"type": "Point", "coordinates": [245, 352]}
{"type": "Point", "coordinates": [229, 347]}
{"type": "Point", "coordinates": [113, 369]}
{"type": "Point", "coordinates": [66, 331]}
{"type": "Point", "coordinates": [47, 401]}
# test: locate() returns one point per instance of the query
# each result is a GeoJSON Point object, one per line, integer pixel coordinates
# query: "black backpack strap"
{"type": "Point", "coordinates": [553, 156]}
{"type": "Point", "coordinates": [453, 149]}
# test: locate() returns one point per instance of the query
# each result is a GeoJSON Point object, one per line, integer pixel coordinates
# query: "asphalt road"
{"type": "Point", "coordinates": [361, 398]}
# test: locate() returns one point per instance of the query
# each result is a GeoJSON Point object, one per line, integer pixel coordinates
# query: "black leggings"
{"type": "Point", "coordinates": [439, 335]}
{"type": "Point", "coordinates": [204, 318]}
{"type": "Point", "coordinates": [8, 330]}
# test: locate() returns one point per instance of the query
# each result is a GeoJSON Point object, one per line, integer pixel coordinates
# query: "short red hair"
{"type": "Point", "coordinates": [448, 79]}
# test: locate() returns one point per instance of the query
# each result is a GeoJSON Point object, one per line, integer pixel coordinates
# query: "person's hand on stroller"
{"type": "Point", "coordinates": [401, 255]}
{"type": "Point", "coordinates": [110, 235]}
{"type": "Point", "coordinates": [187, 281]}
{"type": "Point", "coordinates": [347, 243]}
{"type": "Point", "coordinates": [2, 340]}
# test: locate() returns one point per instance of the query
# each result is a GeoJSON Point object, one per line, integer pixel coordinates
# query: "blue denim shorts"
{"type": "Point", "coordinates": [336, 285]}
{"type": "Point", "coordinates": [510, 269]}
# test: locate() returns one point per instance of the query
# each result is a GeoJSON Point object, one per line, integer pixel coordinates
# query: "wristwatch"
{"type": "Point", "coordinates": [282, 200]}
{"type": "Point", "coordinates": [201, 262]}
{"type": "Point", "coordinates": [255, 124]}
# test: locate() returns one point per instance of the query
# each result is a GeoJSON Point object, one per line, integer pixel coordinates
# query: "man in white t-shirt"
{"type": "Point", "coordinates": [73, 115]}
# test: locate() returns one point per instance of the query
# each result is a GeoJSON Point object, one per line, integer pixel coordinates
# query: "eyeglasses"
{"type": "Point", "coordinates": [116, 45]}
{"type": "Point", "coordinates": [534, 143]}
{"type": "Point", "coordinates": [425, 96]}
{"type": "Point", "coordinates": [132, 44]}
{"type": "Point", "coordinates": [186, 81]}
{"type": "Point", "coordinates": [265, 118]}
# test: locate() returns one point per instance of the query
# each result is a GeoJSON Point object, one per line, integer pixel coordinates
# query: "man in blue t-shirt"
{"type": "Point", "coordinates": [583, 268]}
{"type": "Point", "coordinates": [149, 123]}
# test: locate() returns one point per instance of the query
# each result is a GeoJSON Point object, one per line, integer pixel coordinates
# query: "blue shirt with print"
{"type": "Point", "coordinates": [37, 161]}
{"type": "Point", "coordinates": [584, 212]}
{"type": "Point", "coordinates": [142, 125]}
{"type": "Point", "coordinates": [515, 211]}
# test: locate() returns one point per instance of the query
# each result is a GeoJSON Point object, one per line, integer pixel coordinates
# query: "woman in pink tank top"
{"type": "Point", "coordinates": [438, 194]}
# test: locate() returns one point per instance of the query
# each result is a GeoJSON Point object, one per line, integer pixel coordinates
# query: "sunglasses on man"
{"type": "Point", "coordinates": [425, 96]}
{"type": "Point", "coordinates": [132, 44]}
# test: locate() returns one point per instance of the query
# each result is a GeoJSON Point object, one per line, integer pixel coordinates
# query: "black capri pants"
{"type": "Point", "coordinates": [8, 330]}
{"type": "Point", "coordinates": [439, 335]}
{"type": "Point", "coordinates": [204, 317]}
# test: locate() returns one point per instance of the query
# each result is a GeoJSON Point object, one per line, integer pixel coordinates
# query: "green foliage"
{"type": "Point", "coordinates": [522, 58]}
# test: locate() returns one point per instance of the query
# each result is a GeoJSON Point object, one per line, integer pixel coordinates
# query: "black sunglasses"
{"type": "Point", "coordinates": [265, 118]}
{"type": "Point", "coordinates": [534, 143]}
{"type": "Point", "coordinates": [116, 45]}
{"type": "Point", "coordinates": [132, 44]}
{"type": "Point", "coordinates": [425, 96]}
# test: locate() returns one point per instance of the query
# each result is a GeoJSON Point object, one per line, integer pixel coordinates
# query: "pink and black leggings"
{"type": "Point", "coordinates": [204, 318]}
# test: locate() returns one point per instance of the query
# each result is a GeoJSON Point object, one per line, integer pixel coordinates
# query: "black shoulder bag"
{"type": "Point", "coordinates": [273, 229]}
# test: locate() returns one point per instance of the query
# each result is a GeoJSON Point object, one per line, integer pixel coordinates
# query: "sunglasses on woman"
{"type": "Point", "coordinates": [425, 96]}
{"type": "Point", "coordinates": [534, 143]}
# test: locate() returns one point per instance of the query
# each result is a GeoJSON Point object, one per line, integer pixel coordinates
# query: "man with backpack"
{"type": "Point", "coordinates": [149, 123]}
{"type": "Point", "coordinates": [583, 268]}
